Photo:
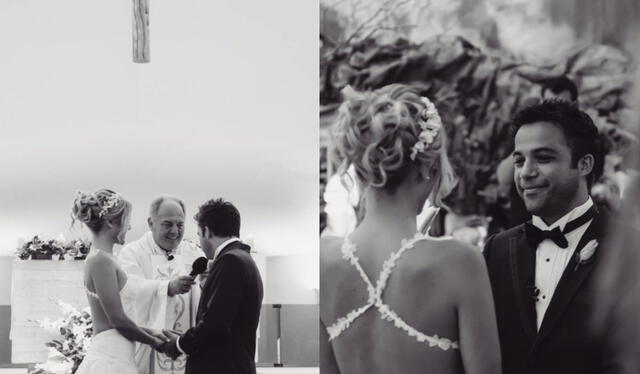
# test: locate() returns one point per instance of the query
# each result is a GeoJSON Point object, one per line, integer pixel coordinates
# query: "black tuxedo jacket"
{"type": "Point", "coordinates": [224, 338]}
{"type": "Point", "coordinates": [568, 340]}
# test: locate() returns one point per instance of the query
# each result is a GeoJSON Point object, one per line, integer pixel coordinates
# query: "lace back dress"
{"type": "Point", "coordinates": [375, 300]}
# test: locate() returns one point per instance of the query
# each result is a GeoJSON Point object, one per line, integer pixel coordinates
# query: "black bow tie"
{"type": "Point", "coordinates": [535, 235]}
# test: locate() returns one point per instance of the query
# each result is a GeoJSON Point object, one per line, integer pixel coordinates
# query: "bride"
{"type": "Point", "coordinates": [110, 296]}
{"type": "Point", "coordinates": [393, 300]}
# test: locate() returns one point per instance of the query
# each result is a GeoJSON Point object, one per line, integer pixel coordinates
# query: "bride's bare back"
{"type": "Point", "coordinates": [437, 295]}
{"type": "Point", "coordinates": [104, 280]}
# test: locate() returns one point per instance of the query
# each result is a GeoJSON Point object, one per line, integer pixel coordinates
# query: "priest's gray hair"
{"type": "Point", "coordinates": [157, 202]}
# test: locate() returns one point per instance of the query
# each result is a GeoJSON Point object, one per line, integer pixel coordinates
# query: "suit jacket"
{"type": "Point", "coordinates": [224, 338]}
{"type": "Point", "coordinates": [568, 341]}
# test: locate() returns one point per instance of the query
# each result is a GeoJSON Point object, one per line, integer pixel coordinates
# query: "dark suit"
{"type": "Point", "coordinates": [568, 341]}
{"type": "Point", "coordinates": [224, 338]}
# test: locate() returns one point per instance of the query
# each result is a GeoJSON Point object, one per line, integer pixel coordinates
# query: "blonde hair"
{"type": "Point", "coordinates": [94, 209]}
{"type": "Point", "coordinates": [376, 132]}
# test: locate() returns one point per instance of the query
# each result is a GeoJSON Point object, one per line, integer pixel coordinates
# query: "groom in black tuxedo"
{"type": "Point", "coordinates": [541, 271]}
{"type": "Point", "coordinates": [224, 338]}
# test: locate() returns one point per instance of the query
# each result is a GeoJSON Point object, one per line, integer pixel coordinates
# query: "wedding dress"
{"type": "Point", "coordinates": [376, 301]}
{"type": "Point", "coordinates": [109, 352]}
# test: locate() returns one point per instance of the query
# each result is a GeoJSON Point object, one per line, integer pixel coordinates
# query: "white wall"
{"type": "Point", "coordinates": [293, 279]}
{"type": "Point", "coordinates": [227, 107]}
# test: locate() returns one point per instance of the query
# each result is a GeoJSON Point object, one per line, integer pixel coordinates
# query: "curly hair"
{"type": "Point", "coordinates": [220, 216]}
{"type": "Point", "coordinates": [94, 209]}
{"type": "Point", "coordinates": [377, 131]}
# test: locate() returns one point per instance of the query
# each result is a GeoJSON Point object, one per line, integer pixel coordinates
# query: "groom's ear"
{"type": "Point", "coordinates": [206, 232]}
{"type": "Point", "coordinates": [150, 223]}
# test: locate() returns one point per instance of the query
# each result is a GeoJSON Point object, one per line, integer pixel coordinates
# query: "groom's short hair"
{"type": "Point", "coordinates": [220, 216]}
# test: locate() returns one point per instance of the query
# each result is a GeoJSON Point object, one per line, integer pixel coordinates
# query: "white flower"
{"type": "Point", "coordinates": [430, 123]}
{"type": "Point", "coordinates": [586, 253]}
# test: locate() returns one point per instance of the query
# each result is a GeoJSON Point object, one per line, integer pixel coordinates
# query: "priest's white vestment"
{"type": "Point", "coordinates": [146, 263]}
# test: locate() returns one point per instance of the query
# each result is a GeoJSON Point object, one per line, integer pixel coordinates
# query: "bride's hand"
{"type": "Point", "coordinates": [158, 335]}
{"type": "Point", "coordinates": [159, 345]}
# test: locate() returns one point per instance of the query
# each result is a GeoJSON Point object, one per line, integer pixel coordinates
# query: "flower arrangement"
{"type": "Point", "coordinates": [78, 248]}
{"type": "Point", "coordinates": [37, 248]}
{"type": "Point", "coordinates": [66, 354]}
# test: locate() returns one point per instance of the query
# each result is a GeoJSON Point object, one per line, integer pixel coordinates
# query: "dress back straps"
{"type": "Point", "coordinates": [375, 297]}
{"type": "Point", "coordinates": [91, 293]}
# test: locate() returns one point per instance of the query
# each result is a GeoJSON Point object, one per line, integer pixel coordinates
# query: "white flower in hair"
{"type": "Point", "coordinates": [111, 201]}
{"type": "Point", "coordinates": [430, 123]}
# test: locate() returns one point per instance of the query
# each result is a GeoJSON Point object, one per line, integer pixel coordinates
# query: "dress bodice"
{"type": "Point", "coordinates": [375, 298]}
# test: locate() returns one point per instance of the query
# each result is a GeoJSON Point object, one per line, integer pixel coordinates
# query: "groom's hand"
{"type": "Point", "coordinates": [171, 349]}
{"type": "Point", "coordinates": [179, 285]}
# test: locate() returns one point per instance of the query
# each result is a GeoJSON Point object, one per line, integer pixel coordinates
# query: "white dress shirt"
{"type": "Point", "coordinates": [215, 254]}
{"type": "Point", "coordinates": [551, 260]}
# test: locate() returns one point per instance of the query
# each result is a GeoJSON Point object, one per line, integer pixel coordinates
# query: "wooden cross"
{"type": "Point", "coordinates": [140, 31]}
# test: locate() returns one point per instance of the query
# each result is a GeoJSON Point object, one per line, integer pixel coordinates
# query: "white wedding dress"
{"type": "Point", "coordinates": [110, 352]}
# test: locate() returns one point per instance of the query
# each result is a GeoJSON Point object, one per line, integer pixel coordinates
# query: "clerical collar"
{"type": "Point", "coordinates": [224, 244]}
{"type": "Point", "coordinates": [562, 221]}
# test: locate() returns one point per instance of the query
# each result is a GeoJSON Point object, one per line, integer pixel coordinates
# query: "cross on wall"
{"type": "Point", "coordinates": [141, 31]}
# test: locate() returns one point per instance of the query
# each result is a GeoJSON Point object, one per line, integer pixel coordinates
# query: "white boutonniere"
{"type": "Point", "coordinates": [586, 253]}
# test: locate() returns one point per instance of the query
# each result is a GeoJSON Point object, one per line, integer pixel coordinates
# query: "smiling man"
{"type": "Point", "coordinates": [160, 262]}
{"type": "Point", "coordinates": [541, 271]}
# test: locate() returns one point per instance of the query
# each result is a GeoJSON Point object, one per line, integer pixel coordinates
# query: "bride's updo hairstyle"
{"type": "Point", "coordinates": [94, 209]}
{"type": "Point", "coordinates": [387, 132]}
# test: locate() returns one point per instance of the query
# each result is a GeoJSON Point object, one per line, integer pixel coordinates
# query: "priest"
{"type": "Point", "coordinates": [159, 264]}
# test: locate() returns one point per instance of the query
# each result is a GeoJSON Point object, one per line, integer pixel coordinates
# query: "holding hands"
{"type": "Point", "coordinates": [169, 348]}
{"type": "Point", "coordinates": [159, 339]}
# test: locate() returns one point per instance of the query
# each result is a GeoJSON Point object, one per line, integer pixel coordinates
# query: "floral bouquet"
{"type": "Point", "coordinates": [38, 248]}
{"type": "Point", "coordinates": [66, 354]}
{"type": "Point", "coordinates": [78, 248]}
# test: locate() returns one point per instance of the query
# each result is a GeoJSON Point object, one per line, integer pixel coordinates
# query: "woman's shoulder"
{"type": "Point", "coordinates": [330, 248]}
{"type": "Point", "coordinates": [448, 254]}
{"type": "Point", "coordinates": [99, 260]}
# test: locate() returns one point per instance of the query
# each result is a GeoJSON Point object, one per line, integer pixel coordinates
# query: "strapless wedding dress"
{"type": "Point", "coordinates": [110, 352]}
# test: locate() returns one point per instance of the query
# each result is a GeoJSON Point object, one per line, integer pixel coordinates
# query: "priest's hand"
{"type": "Point", "coordinates": [180, 284]}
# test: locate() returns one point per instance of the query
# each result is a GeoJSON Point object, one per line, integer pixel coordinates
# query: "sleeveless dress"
{"type": "Point", "coordinates": [376, 302]}
{"type": "Point", "coordinates": [109, 351]}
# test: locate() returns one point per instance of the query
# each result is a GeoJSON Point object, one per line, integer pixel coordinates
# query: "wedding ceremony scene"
{"type": "Point", "coordinates": [479, 186]}
{"type": "Point", "coordinates": [158, 208]}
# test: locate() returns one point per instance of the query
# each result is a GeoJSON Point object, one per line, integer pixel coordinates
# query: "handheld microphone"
{"type": "Point", "coordinates": [199, 266]}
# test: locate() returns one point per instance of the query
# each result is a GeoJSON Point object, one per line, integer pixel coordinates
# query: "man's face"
{"type": "Point", "coordinates": [167, 226]}
{"type": "Point", "coordinates": [207, 243]}
{"type": "Point", "coordinates": [543, 174]}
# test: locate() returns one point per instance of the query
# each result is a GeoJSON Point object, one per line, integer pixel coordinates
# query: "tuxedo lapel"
{"type": "Point", "coordinates": [572, 277]}
{"type": "Point", "coordinates": [206, 289]}
{"type": "Point", "coordinates": [522, 264]}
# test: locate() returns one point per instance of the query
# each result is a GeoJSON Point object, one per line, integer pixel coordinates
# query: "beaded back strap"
{"type": "Point", "coordinates": [375, 297]}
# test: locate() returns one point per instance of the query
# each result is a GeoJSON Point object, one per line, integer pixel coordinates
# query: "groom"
{"type": "Point", "coordinates": [224, 338]}
{"type": "Point", "coordinates": [542, 271]}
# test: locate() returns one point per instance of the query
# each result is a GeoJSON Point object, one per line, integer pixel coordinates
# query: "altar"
{"type": "Point", "coordinates": [36, 287]}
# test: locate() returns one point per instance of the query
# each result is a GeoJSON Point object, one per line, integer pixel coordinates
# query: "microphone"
{"type": "Point", "coordinates": [199, 266]}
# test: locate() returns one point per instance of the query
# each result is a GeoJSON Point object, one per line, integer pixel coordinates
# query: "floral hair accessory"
{"type": "Point", "coordinates": [430, 123]}
{"type": "Point", "coordinates": [109, 203]}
